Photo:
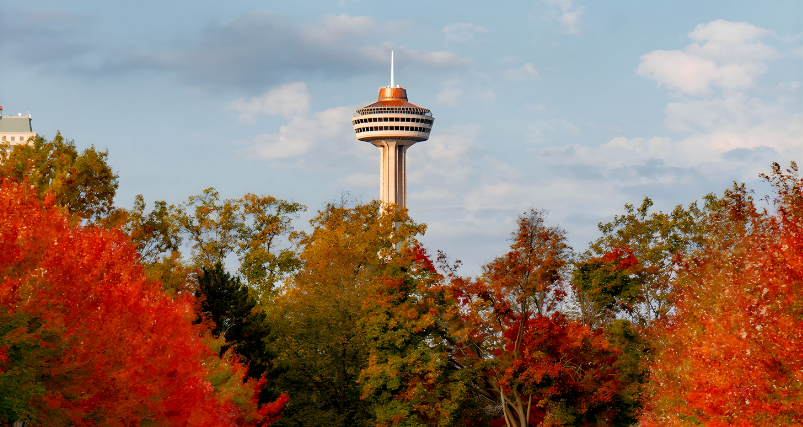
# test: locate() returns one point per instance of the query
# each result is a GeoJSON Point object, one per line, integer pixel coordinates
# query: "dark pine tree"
{"type": "Point", "coordinates": [237, 318]}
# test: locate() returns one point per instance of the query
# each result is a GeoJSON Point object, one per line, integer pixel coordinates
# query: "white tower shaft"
{"type": "Point", "coordinates": [391, 69]}
{"type": "Point", "coordinates": [393, 171]}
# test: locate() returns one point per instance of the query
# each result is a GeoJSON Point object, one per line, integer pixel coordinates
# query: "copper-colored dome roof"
{"type": "Point", "coordinates": [393, 97]}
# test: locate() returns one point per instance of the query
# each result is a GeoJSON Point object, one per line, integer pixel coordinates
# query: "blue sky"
{"type": "Point", "coordinates": [572, 106]}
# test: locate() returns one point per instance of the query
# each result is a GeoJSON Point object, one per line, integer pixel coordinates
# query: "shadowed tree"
{"type": "Point", "coordinates": [237, 319]}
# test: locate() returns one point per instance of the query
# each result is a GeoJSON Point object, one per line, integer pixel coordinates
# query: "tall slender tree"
{"type": "Point", "coordinates": [235, 317]}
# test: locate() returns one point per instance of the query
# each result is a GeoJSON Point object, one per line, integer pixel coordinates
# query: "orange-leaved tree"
{"type": "Point", "coordinates": [732, 352]}
{"type": "Point", "coordinates": [110, 347]}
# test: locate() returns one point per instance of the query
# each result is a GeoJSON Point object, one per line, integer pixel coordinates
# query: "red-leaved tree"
{"type": "Point", "coordinates": [536, 366]}
{"type": "Point", "coordinates": [110, 348]}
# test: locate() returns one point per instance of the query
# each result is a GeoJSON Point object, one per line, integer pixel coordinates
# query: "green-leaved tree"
{"type": "Point", "coordinates": [82, 182]}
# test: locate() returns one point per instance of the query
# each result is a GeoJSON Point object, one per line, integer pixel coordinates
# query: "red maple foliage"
{"type": "Point", "coordinates": [537, 365]}
{"type": "Point", "coordinates": [733, 349]}
{"type": "Point", "coordinates": [560, 360]}
{"type": "Point", "coordinates": [127, 352]}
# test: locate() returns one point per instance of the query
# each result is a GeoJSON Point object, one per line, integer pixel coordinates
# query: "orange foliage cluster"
{"type": "Point", "coordinates": [733, 352]}
{"type": "Point", "coordinates": [127, 352]}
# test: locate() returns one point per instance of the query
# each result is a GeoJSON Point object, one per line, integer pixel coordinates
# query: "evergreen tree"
{"type": "Point", "coordinates": [227, 302]}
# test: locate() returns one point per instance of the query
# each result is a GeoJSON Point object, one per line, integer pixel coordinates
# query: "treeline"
{"type": "Point", "coordinates": [112, 316]}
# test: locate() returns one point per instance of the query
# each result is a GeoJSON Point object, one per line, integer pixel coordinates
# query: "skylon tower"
{"type": "Point", "coordinates": [393, 125]}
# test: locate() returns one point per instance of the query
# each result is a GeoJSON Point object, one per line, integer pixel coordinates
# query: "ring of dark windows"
{"type": "Point", "coordinates": [393, 119]}
{"type": "Point", "coordinates": [381, 128]}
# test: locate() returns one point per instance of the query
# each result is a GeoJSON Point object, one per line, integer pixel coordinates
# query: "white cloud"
{"type": "Point", "coordinates": [569, 15]}
{"type": "Point", "coordinates": [399, 27]}
{"type": "Point", "coordinates": [438, 58]}
{"type": "Point", "coordinates": [731, 58]}
{"type": "Point", "coordinates": [289, 100]}
{"type": "Point", "coordinates": [571, 19]}
{"type": "Point", "coordinates": [678, 70]}
{"type": "Point", "coordinates": [732, 136]}
{"type": "Point", "coordinates": [617, 152]}
{"type": "Point", "coordinates": [734, 112]}
{"type": "Point", "coordinates": [526, 71]}
{"type": "Point", "coordinates": [496, 191]}
{"type": "Point", "coordinates": [333, 27]}
{"type": "Point", "coordinates": [344, 25]}
{"type": "Point", "coordinates": [288, 142]}
{"type": "Point", "coordinates": [417, 57]}
{"type": "Point", "coordinates": [462, 32]}
{"type": "Point", "coordinates": [729, 32]}
{"type": "Point", "coordinates": [318, 136]}
{"type": "Point", "coordinates": [450, 93]}
{"type": "Point", "coordinates": [447, 158]}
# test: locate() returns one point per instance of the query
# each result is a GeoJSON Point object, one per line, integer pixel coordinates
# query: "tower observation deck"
{"type": "Point", "coordinates": [393, 125]}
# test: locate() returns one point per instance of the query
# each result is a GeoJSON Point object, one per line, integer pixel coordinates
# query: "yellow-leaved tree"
{"type": "Point", "coordinates": [320, 314]}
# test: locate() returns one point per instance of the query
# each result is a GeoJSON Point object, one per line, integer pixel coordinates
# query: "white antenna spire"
{"type": "Point", "coordinates": [391, 69]}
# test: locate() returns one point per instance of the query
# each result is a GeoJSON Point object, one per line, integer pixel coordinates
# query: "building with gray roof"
{"type": "Point", "coordinates": [15, 129]}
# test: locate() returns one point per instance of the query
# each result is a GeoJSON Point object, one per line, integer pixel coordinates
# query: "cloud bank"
{"type": "Point", "coordinates": [258, 49]}
{"type": "Point", "coordinates": [568, 14]}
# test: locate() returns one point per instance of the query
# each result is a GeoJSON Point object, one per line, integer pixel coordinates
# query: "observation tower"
{"type": "Point", "coordinates": [393, 125]}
